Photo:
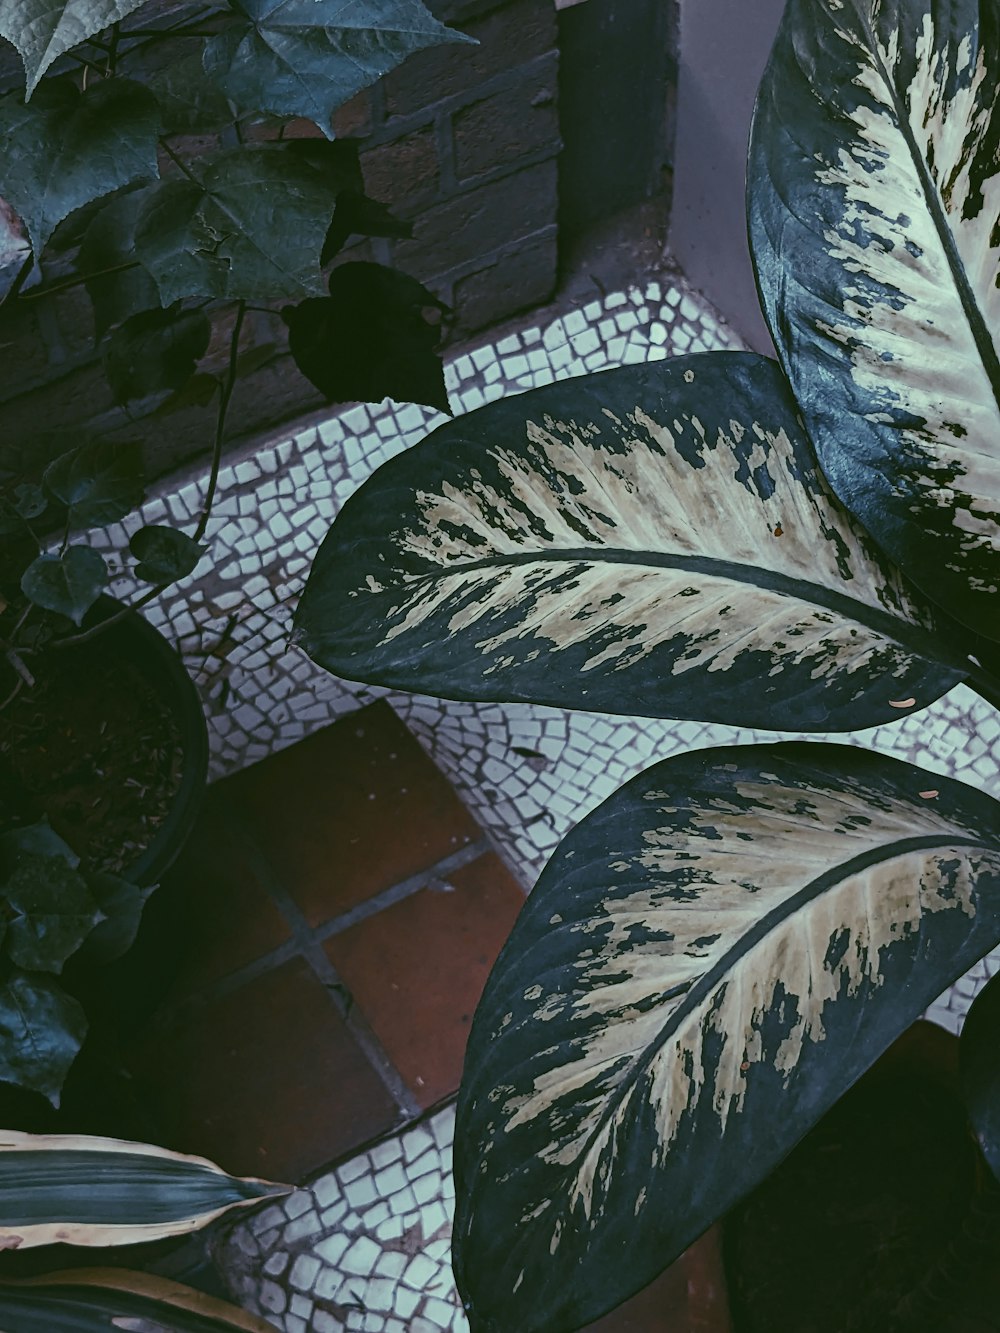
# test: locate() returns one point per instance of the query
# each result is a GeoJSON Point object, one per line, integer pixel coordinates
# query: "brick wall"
{"type": "Point", "coordinates": [461, 140]}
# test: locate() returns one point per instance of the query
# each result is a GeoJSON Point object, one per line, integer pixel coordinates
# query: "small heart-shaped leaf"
{"type": "Point", "coordinates": [69, 583]}
{"type": "Point", "coordinates": [369, 339]}
{"type": "Point", "coordinates": [41, 1031]}
{"type": "Point", "coordinates": [52, 912]}
{"type": "Point", "coordinates": [164, 554]}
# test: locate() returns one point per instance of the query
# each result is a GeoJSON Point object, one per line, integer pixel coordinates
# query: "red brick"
{"type": "Point", "coordinates": [417, 969]}
{"type": "Point", "coordinates": [508, 126]}
{"type": "Point", "coordinates": [507, 37]}
{"type": "Point", "coordinates": [212, 903]}
{"type": "Point", "coordinates": [301, 127]}
{"type": "Point", "coordinates": [354, 119]}
{"type": "Point", "coordinates": [521, 280]}
{"type": "Point", "coordinates": [403, 174]}
{"type": "Point", "coordinates": [350, 811]}
{"type": "Point", "coordinates": [66, 404]}
{"type": "Point", "coordinates": [266, 1081]}
{"type": "Point", "coordinates": [687, 1297]}
{"type": "Point", "coordinates": [474, 224]}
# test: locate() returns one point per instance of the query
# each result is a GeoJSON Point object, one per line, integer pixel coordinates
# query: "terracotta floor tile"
{"type": "Point", "coordinates": [350, 811]}
{"type": "Point", "coordinates": [417, 970]}
{"type": "Point", "coordinates": [267, 1080]}
{"type": "Point", "coordinates": [211, 906]}
{"type": "Point", "coordinates": [687, 1297]}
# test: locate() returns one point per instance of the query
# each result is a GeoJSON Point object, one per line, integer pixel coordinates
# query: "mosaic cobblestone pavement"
{"type": "Point", "coordinates": [366, 1246]}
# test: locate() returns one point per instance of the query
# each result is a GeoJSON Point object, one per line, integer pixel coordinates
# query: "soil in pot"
{"type": "Point", "coordinates": [851, 1233]}
{"type": "Point", "coordinates": [95, 749]}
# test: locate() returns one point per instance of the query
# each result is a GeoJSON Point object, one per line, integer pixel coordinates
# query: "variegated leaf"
{"type": "Point", "coordinates": [653, 540]}
{"type": "Point", "coordinates": [97, 1300]}
{"type": "Point", "coordinates": [708, 961]}
{"type": "Point", "coordinates": [874, 204]}
{"type": "Point", "coordinates": [92, 1191]}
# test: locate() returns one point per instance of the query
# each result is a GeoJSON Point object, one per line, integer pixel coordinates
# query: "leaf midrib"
{"type": "Point", "coordinates": [914, 637]}
{"type": "Point", "coordinates": [703, 987]}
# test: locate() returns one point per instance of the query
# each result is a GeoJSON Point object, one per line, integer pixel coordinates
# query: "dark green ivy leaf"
{"type": "Point", "coordinates": [41, 1031]}
{"type": "Point", "coordinates": [155, 350]}
{"type": "Point", "coordinates": [250, 225]}
{"type": "Point", "coordinates": [164, 554]}
{"type": "Point", "coordinates": [357, 215]}
{"type": "Point", "coordinates": [66, 148]}
{"type": "Point", "coordinates": [117, 284]}
{"type": "Point", "coordinates": [43, 30]}
{"type": "Point", "coordinates": [369, 339]}
{"type": "Point", "coordinates": [29, 500]}
{"type": "Point", "coordinates": [190, 101]}
{"type": "Point", "coordinates": [308, 57]}
{"type": "Point", "coordinates": [69, 583]}
{"type": "Point", "coordinates": [121, 903]}
{"type": "Point", "coordinates": [52, 912]}
{"type": "Point", "coordinates": [39, 839]}
{"type": "Point", "coordinates": [100, 482]}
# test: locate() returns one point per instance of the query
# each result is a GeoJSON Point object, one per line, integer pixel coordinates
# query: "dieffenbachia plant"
{"type": "Point", "coordinates": [86, 1191]}
{"type": "Point", "coordinates": [720, 949]}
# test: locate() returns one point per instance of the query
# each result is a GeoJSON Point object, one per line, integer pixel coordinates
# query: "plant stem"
{"type": "Point", "coordinates": [228, 384]}
{"type": "Point", "coordinates": [177, 161]}
{"type": "Point", "coordinates": [88, 64]}
{"type": "Point", "coordinates": [112, 66]}
{"type": "Point", "coordinates": [177, 31]}
{"type": "Point", "coordinates": [103, 625]}
{"type": "Point", "coordinates": [41, 292]}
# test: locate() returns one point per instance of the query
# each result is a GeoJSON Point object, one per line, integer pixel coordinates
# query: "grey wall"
{"type": "Point", "coordinates": [724, 45]}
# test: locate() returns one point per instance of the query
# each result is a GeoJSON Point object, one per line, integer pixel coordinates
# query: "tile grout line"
{"type": "Point", "coordinates": [309, 949]}
{"type": "Point", "coordinates": [292, 948]}
{"type": "Point", "coordinates": [430, 878]}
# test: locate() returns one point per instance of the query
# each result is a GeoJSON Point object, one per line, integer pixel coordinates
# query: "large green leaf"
{"type": "Point", "coordinates": [874, 202]}
{"type": "Point", "coordinates": [190, 101]}
{"type": "Point", "coordinates": [308, 57]}
{"type": "Point", "coordinates": [654, 540]}
{"type": "Point", "coordinates": [155, 350]}
{"type": "Point", "coordinates": [96, 1300]}
{"type": "Point", "coordinates": [95, 1191]}
{"type": "Point", "coordinates": [42, 30]}
{"type": "Point", "coordinates": [117, 284]}
{"type": "Point", "coordinates": [707, 962]}
{"type": "Point", "coordinates": [52, 912]}
{"type": "Point", "coordinates": [66, 148]}
{"type": "Point", "coordinates": [99, 482]}
{"type": "Point", "coordinates": [41, 1031]}
{"type": "Point", "coordinates": [251, 224]}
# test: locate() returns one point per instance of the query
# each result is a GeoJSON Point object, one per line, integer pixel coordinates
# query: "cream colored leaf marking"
{"type": "Point", "coordinates": [42, 1146]}
{"type": "Point", "coordinates": [153, 1288]}
{"type": "Point", "coordinates": [651, 948]}
{"type": "Point", "coordinates": [648, 498]}
{"type": "Point", "coordinates": [915, 351]}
